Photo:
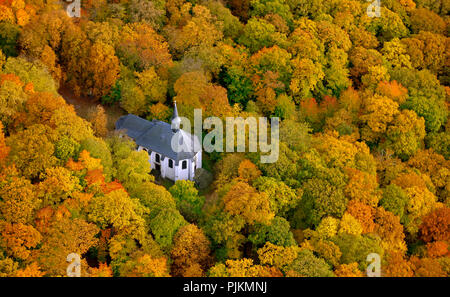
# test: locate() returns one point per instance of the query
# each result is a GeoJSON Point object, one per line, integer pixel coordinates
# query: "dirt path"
{"type": "Point", "coordinates": [82, 105]}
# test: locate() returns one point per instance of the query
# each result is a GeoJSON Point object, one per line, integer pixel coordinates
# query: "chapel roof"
{"type": "Point", "coordinates": [157, 136]}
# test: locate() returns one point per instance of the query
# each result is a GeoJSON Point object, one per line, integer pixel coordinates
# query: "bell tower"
{"type": "Point", "coordinates": [176, 121]}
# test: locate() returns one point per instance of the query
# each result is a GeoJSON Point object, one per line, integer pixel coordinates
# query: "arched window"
{"type": "Point", "coordinates": [157, 158]}
{"type": "Point", "coordinates": [184, 164]}
{"type": "Point", "coordinates": [170, 163]}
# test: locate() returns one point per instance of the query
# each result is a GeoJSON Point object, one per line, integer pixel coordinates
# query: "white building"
{"type": "Point", "coordinates": [155, 137]}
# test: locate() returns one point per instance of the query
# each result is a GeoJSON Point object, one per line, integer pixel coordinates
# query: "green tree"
{"type": "Point", "coordinates": [165, 225]}
{"type": "Point", "coordinates": [308, 265]}
{"type": "Point", "coordinates": [259, 33]}
{"type": "Point", "coordinates": [152, 86]}
{"type": "Point", "coordinates": [394, 200]}
{"type": "Point", "coordinates": [281, 197]}
{"type": "Point", "coordinates": [133, 99]}
{"type": "Point", "coordinates": [116, 209]}
{"type": "Point", "coordinates": [9, 34]}
{"type": "Point", "coordinates": [34, 72]}
{"type": "Point", "coordinates": [12, 98]}
{"type": "Point", "coordinates": [321, 199]}
{"type": "Point", "coordinates": [432, 110]}
{"type": "Point", "coordinates": [189, 203]}
{"type": "Point", "coordinates": [405, 135]}
{"type": "Point", "coordinates": [98, 149]}
{"type": "Point", "coordinates": [276, 232]}
{"type": "Point", "coordinates": [355, 248]}
{"type": "Point", "coordinates": [32, 150]}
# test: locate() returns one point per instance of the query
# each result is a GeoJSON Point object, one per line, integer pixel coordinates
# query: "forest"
{"type": "Point", "coordinates": [364, 152]}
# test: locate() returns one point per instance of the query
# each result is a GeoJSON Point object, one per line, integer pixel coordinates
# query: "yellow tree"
{"type": "Point", "coordinates": [189, 87]}
{"type": "Point", "coordinates": [393, 90]}
{"type": "Point", "coordinates": [195, 91]}
{"type": "Point", "coordinates": [394, 52]}
{"type": "Point", "coordinates": [265, 91]}
{"type": "Point", "coordinates": [350, 225]}
{"type": "Point", "coordinates": [133, 99]}
{"type": "Point", "coordinates": [348, 270]}
{"type": "Point", "coordinates": [435, 166]}
{"type": "Point", "coordinates": [99, 120]}
{"type": "Point", "coordinates": [118, 210]}
{"type": "Point", "coordinates": [58, 184]}
{"type": "Point", "coordinates": [6, 14]}
{"type": "Point", "coordinates": [362, 58]}
{"type": "Point", "coordinates": [378, 113]}
{"type": "Point", "coordinates": [199, 31]}
{"type": "Point", "coordinates": [2, 59]}
{"type": "Point", "coordinates": [65, 236]}
{"type": "Point", "coordinates": [421, 202]}
{"type": "Point", "coordinates": [144, 265]}
{"type": "Point", "coordinates": [248, 171]}
{"type": "Point", "coordinates": [328, 227]}
{"type": "Point", "coordinates": [103, 69]}
{"type": "Point", "coordinates": [341, 152]}
{"type": "Point", "coordinates": [19, 239]}
{"type": "Point", "coordinates": [160, 112]}
{"type": "Point", "coordinates": [191, 252]}
{"type": "Point", "coordinates": [434, 49]}
{"type": "Point", "coordinates": [282, 198]}
{"type": "Point", "coordinates": [243, 268]}
{"type": "Point", "coordinates": [12, 96]}
{"type": "Point", "coordinates": [68, 123]}
{"type": "Point", "coordinates": [363, 213]}
{"type": "Point", "coordinates": [390, 230]}
{"type": "Point", "coordinates": [49, 58]}
{"type": "Point", "coordinates": [4, 149]}
{"type": "Point", "coordinates": [19, 200]}
{"type": "Point", "coordinates": [39, 109]}
{"type": "Point", "coordinates": [277, 256]}
{"type": "Point", "coordinates": [243, 200]}
{"type": "Point", "coordinates": [305, 77]}
{"type": "Point", "coordinates": [140, 47]}
{"type": "Point", "coordinates": [32, 150]}
{"type": "Point", "coordinates": [152, 86]}
{"type": "Point", "coordinates": [32, 270]}
{"type": "Point", "coordinates": [405, 135]}
{"type": "Point", "coordinates": [397, 266]}
{"type": "Point", "coordinates": [103, 270]}
{"type": "Point", "coordinates": [362, 186]}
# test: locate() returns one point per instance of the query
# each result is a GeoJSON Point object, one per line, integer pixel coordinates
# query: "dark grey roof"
{"type": "Point", "coordinates": [134, 125]}
{"type": "Point", "coordinates": [157, 136]}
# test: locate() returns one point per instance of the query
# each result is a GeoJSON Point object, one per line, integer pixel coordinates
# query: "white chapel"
{"type": "Point", "coordinates": [155, 137]}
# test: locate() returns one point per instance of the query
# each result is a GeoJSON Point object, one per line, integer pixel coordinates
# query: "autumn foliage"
{"type": "Point", "coordinates": [364, 144]}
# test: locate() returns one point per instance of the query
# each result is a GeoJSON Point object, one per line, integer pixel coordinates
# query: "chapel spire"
{"type": "Point", "coordinates": [175, 118]}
